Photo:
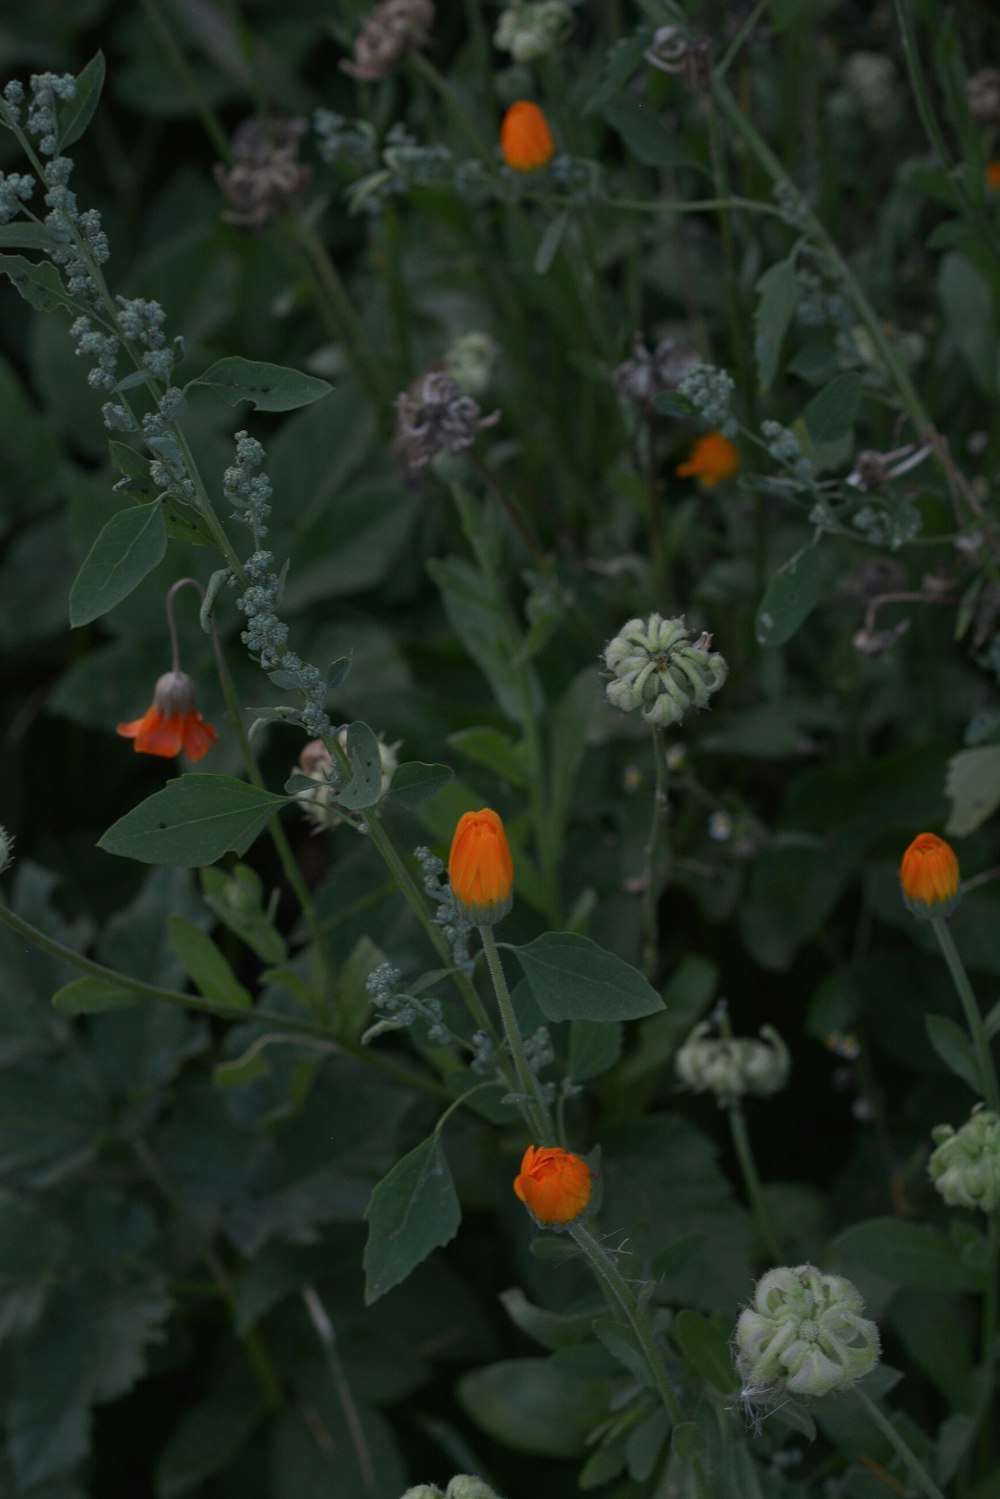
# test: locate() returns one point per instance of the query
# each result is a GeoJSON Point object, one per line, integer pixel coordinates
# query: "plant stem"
{"type": "Point", "coordinates": [328, 1341]}
{"type": "Point", "coordinates": [973, 1018]}
{"type": "Point", "coordinates": [919, 1473]}
{"type": "Point", "coordinates": [426, 69]}
{"type": "Point", "coordinates": [535, 1108]}
{"type": "Point", "coordinates": [167, 40]}
{"type": "Point", "coordinates": [657, 858]}
{"type": "Point", "coordinates": [751, 1181]}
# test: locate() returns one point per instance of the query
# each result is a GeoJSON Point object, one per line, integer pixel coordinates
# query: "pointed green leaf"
{"type": "Point", "coordinates": [778, 290]}
{"type": "Point", "coordinates": [705, 1348]}
{"type": "Point", "coordinates": [129, 547]}
{"type": "Point", "coordinates": [92, 995]}
{"type": "Point", "coordinates": [413, 782]}
{"type": "Point", "coordinates": [194, 820]}
{"type": "Point", "coordinates": [790, 598]}
{"type": "Point", "coordinates": [271, 387]}
{"type": "Point", "coordinates": [571, 978]}
{"type": "Point", "coordinates": [973, 787]}
{"type": "Point", "coordinates": [830, 415]}
{"type": "Point", "coordinates": [77, 113]}
{"type": "Point", "coordinates": [22, 234]}
{"type": "Point", "coordinates": [548, 245]}
{"type": "Point", "coordinates": [412, 1211]}
{"type": "Point", "coordinates": [952, 1046]}
{"type": "Point", "coordinates": [204, 963]}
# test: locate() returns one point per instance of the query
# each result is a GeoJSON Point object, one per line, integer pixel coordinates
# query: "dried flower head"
{"type": "Point", "coordinates": [712, 459]}
{"type": "Point", "coordinates": [965, 1167]}
{"type": "Point", "coordinates": [730, 1066]}
{"type": "Point", "coordinates": [171, 724]}
{"type": "Point", "coordinates": [869, 641]}
{"type": "Point", "coordinates": [480, 868]}
{"type": "Point", "coordinates": [436, 416]}
{"type": "Point", "coordinates": [983, 93]}
{"type": "Point", "coordinates": [316, 762]}
{"type": "Point", "coordinates": [672, 50]}
{"type": "Point", "coordinates": [643, 376]}
{"type": "Point", "coordinates": [266, 174]}
{"type": "Point", "coordinates": [554, 1185]}
{"type": "Point", "coordinates": [929, 876]}
{"type": "Point", "coordinates": [657, 667]}
{"type": "Point", "coordinates": [525, 138]}
{"type": "Point", "coordinates": [803, 1334]}
{"type": "Point", "coordinates": [393, 28]}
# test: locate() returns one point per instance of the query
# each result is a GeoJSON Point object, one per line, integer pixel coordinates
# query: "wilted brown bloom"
{"type": "Point", "coordinates": [266, 174]}
{"type": "Point", "coordinates": [643, 376]}
{"type": "Point", "coordinates": [872, 469]}
{"type": "Point", "coordinates": [436, 416]}
{"type": "Point", "coordinates": [983, 93]}
{"type": "Point", "coordinates": [673, 51]}
{"type": "Point", "coordinates": [393, 28]}
{"type": "Point", "coordinates": [871, 642]}
{"type": "Point", "coordinates": [874, 576]}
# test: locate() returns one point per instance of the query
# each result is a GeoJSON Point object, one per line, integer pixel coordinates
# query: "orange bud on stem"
{"type": "Point", "coordinates": [525, 138]}
{"type": "Point", "coordinates": [480, 867]}
{"type": "Point", "coordinates": [929, 876]}
{"type": "Point", "coordinates": [554, 1185]}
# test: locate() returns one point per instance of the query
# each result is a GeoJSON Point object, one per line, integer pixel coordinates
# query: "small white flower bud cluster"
{"type": "Point", "coordinates": [462, 1486]}
{"type": "Point", "coordinates": [804, 1334]}
{"type": "Point", "coordinates": [730, 1066]}
{"type": "Point", "coordinates": [965, 1167]}
{"type": "Point", "coordinates": [657, 667]}
{"type": "Point", "coordinates": [530, 31]}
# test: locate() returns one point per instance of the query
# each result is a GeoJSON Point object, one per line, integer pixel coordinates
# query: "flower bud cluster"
{"type": "Point", "coordinates": [341, 139]}
{"type": "Point", "coordinates": [785, 448]}
{"type": "Point", "coordinates": [965, 1167]}
{"type": "Point", "coordinates": [401, 1010]}
{"type": "Point", "coordinates": [392, 29]}
{"type": "Point", "coordinates": [48, 91]}
{"type": "Point", "coordinates": [657, 668]}
{"type": "Point", "coordinates": [16, 189]}
{"type": "Point", "coordinates": [452, 920]}
{"type": "Point", "coordinates": [804, 1334]}
{"type": "Point", "coordinates": [530, 31]}
{"type": "Point", "coordinates": [462, 1486]}
{"type": "Point", "coordinates": [710, 392]}
{"type": "Point", "coordinates": [246, 488]}
{"type": "Point", "coordinates": [730, 1066]}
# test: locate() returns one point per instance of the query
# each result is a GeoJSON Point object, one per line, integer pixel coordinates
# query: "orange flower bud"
{"type": "Point", "coordinates": [992, 175]}
{"type": "Point", "coordinates": [480, 867]}
{"type": "Point", "coordinates": [525, 137]}
{"type": "Point", "coordinates": [929, 876]}
{"type": "Point", "coordinates": [712, 459]}
{"type": "Point", "coordinates": [554, 1185]}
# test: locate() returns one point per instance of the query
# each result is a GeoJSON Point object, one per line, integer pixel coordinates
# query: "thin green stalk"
{"type": "Point", "coordinates": [657, 858]}
{"type": "Point", "coordinates": [918, 1472]}
{"type": "Point", "coordinates": [252, 1340]}
{"type": "Point", "coordinates": [657, 205]}
{"type": "Point", "coordinates": [167, 40]}
{"type": "Point", "coordinates": [426, 69]}
{"type": "Point", "coordinates": [535, 1108]}
{"type": "Point", "coordinates": [973, 1017]}
{"type": "Point", "coordinates": [736, 317]}
{"type": "Point", "coordinates": [352, 1420]}
{"type": "Point", "coordinates": [751, 1181]}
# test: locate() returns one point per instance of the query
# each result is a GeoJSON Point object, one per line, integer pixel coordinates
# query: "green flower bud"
{"type": "Point", "coordinates": [803, 1334]}
{"type": "Point", "coordinates": [470, 361]}
{"type": "Point", "coordinates": [424, 1491]}
{"type": "Point", "coordinates": [965, 1167]}
{"type": "Point", "coordinates": [464, 1486]}
{"type": "Point", "coordinates": [730, 1066]}
{"type": "Point", "coordinates": [530, 31]}
{"type": "Point", "coordinates": [657, 667]}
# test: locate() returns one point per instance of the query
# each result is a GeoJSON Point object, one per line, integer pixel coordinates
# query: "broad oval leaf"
{"type": "Point", "coordinates": [790, 598]}
{"type": "Point", "coordinates": [129, 547]}
{"type": "Point", "coordinates": [973, 787]}
{"type": "Point", "coordinates": [412, 1211]}
{"type": "Point", "coordinates": [365, 786]}
{"type": "Point", "coordinates": [909, 1254]}
{"type": "Point", "coordinates": [271, 387]}
{"type": "Point", "coordinates": [571, 978]}
{"type": "Point", "coordinates": [778, 289]}
{"type": "Point", "coordinates": [830, 415]}
{"type": "Point", "coordinates": [194, 820]}
{"type": "Point", "coordinates": [92, 995]}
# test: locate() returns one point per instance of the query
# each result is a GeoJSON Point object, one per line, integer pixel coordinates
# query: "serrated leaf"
{"type": "Point", "coordinates": [127, 549]}
{"type": "Point", "coordinates": [193, 821]}
{"type": "Point", "coordinates": [790, 598]}
{"type": "Point", "coordinates": [76, 114]}
{"type": "Point", "coordinates": [972, 784]}
{"type": "Point", "coordinates": [571, 978]}
{"type": "Point", "coordinates": [830, 415]}
{"type": "Point", "coordinates": [204, 964]}
{"type": "Point", "coordinates": [271, 387]}
{"type": "Point", "coordinates": [91, 996]}
{"type": "Point", "coordinates": [778, 290]}
{"type": "Point", "coordinates": [412, 1211]}
{"type": "Point", "coordinates": [413, 782]}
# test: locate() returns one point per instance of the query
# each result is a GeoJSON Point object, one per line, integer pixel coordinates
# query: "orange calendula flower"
{"type": "Point", "coordinates": [480, 867]}
{"type": "Point", "coordinates": [525, 137]}
{"type": "Point", "coordinates": [929, 876]}
{"type": "Point", "coordinates": [993, 175]}
{"type": "Point", "coordinates": [712, 459]}
{"type": "Point", "coordinates": [172, 724]}
{"type": "Point", "coordinates": [554, 1185]}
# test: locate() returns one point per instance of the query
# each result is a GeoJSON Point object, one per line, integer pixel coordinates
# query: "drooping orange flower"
{"type": "Point", "coordinates": [554, 1185]}
{"type": "Point", "coordinates": [929, 875]}
{"type": "Point", "coordinates": [712, 459]}
{"type": "Point", "coordinates": [525, 138]}
{"type": "Point", "coordinates": [993, 175]}
{"type": "Point", "coordinates": [480, 867]}
{"type": "Point", "coordinates": [172, 723]}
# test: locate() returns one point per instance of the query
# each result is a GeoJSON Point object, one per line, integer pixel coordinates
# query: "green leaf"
{"type": "Point", "coordinates": [967, 303]}
{"type": "Point", "coordinates": [778, 290]}
{"type": "Point", "coordinates": [645, 1443]}
{"type": "Point", "coordinates": [644, 133]}
{"type": "Point", "coordinates": [908, 1254]}
{"type": "Point", "coordinates": [236, 898]}
{"type": "Point", "coordinates": [270, 387]}
{"type": "Point", "coordinates": [77, 113]}
{"type": "Point", "coordinates": [973, 786]}
{"type": "Point", "coordinates": [39, 283]}
{"type": "Point", "coordinates": [534, 1406]}
{"type": "Point", "coordinates": [551, 1329]}
{"type": "Point", "coordinates": [571, 978]}
{"type": "Point", "coordinates": [89, 996]}
{"type": "Point", "coordinates": [481, 624]}
{"type": "Point", "coordinates": [205, 965]}
{"type": "Point", "coordinates": [548, 245]}
{"type": "Point", "coordinates": [209, 1436]}
{"type": "Point", "coordinates": [489, 747]}
{"type": "Point", "coordinates": [790, 598]}
{"type": "Point", "coordinates": [412, 1211]}
{"type": "Point", "coordinates": [705, 1348]}
{"type": "Point", "coordinates": [830, 415]}
{"type": "Point", "coordinates": [622, 1343]}
{"type": "Point", "coordinates": [33, 1244]}
{"type": "Point", "coordinates": [129, 547]}
{"type": "Point", "coordinates": [365, 786]}
{"type": "Point", "coordinates": [594, 1046]}
{"type": "Point", "coordinates": [194, 820]}
{"type": "Point", "coordinates": [22, 234]}
{"type": "Point", "coordinates": [952, 1046]}
{"type": "Point", "coordinates": [413, 782]}
{"type": "Point", "coordinates": [991, 1021]}
{"type": "Point", "coordinates": [955, 1436]}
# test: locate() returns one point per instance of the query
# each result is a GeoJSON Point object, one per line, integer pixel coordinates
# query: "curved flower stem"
{"type": "Point", "coordinates": [973, 1018]}
{"type": "Point", "coordinates": [751, 1181]}
{"type": "Point", "coordinates": [918, 1472]}
{"type": "Point", "coordinates": [657, 857]}
{"type": "Point", "coordinates": [535, 1108]}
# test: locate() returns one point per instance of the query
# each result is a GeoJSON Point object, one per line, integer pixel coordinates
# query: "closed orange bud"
{"type": "Point", "coordinates": [480, 867]}
{"type": "Point", "coordinates": [554, 1185]}
{"type": "Point", "coordinates": [929, 876]}
{"type": "Point", "coordinates": [525, 137]}
{"type": "Point", "coordinates": [993, 176]}
{"type": "Point", "coordinates": [712, 459]}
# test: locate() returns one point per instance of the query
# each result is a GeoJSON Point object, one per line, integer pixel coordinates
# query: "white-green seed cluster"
{"type": "Point", "coordinates": [530, 31]}
{"type": "Point", "coordinates": [462, 1486]}
{"type": "Point", "coordinates": [803, 1334]}
{"type": "Point", "coordinates": [730, 1066]}
{"type": "Point", "coordinates": [656, 667]}
{"type": "Point", "coordinates": [965, 1167]}
{"type": "Point", "coordinates": [710, 392]}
